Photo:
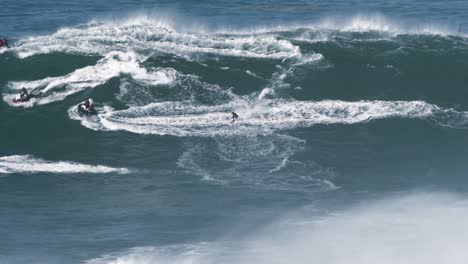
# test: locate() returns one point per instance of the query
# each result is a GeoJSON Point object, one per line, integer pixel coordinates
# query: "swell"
{"type": "Point", "coordinates": [374, 45]}
{"type": "Point", "coordinates": [351, 73]}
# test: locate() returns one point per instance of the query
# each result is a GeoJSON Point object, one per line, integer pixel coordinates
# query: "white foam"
{"type": "Point", "coordinates": [29, 164]}
{"type": "Point", "coordinates": [359, 22]}
{"type": "Point", "coordinates": [91, 122]}
{"type": "Point", "coordinates": [186, 253]}
{"type": "Point", "coordinates": [420, 228]}
{"type": "Point", "coordinates": [256, 117]}
{"type": "Point", "coordinates": [144, 37]}
{"type": "Point", "coordinates": [266, 92]}
{"type": "Point", "coordinates": [112, 65]}
{"type": "Point", "coordinates": [362, 23]}
{"type": "Point", "coordinates": [253, 74]}
{"type": "Point", "coordinates": [231, 162]}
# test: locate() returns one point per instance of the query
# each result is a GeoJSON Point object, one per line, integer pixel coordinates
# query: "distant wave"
{"type": "Point", "coordinates": [143, 34]}
{"type": "Point", "coordinates": [146, 37]}
{"type": "Point", "coordinates": [126, 45]}
{"type": "Point", "coordinates": [30, 164]}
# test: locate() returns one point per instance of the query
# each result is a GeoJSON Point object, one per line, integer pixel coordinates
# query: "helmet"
{"type": "Point", "coordinates": [90, 101]}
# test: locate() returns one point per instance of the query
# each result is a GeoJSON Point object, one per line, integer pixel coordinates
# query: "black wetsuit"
{"type": "Point", "coordinates": [24, 95]}
{"type": "Point", "coordinates": [234, 117]}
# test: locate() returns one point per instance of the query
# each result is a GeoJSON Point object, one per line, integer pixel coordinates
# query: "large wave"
{"type": "Point", "coordinates": [126, 45]}
{"type": "Point", "coordinates": [146, 34]}
{"type": "Point", "coordinates": [126, 48]}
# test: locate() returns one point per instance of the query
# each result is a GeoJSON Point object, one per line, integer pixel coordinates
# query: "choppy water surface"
{"type": "Point", "coordinates": [350, 145]}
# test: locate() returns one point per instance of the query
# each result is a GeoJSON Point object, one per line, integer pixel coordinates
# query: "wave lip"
{"type": "Point", "coordinates": [30, 164]}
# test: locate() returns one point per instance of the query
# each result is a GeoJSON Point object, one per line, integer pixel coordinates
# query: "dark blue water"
{"type": "Point", "coordinates": [350, 145]}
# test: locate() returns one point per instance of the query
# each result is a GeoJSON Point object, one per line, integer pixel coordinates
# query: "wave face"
{"type": "Point", "coordinates": [336, 109]}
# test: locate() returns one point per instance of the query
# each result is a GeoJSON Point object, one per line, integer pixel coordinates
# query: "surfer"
{"type": "Point", "coordinates": [234, 117]}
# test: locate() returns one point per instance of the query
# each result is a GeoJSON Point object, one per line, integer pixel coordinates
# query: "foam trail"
{"type": "Point", "coordinates": [419, 228]}
{"type": "Point", "coordinates": [231, 162]}
{"type": "Point", "coordinates": [264, 116]}
{"type": "Point", "coordinates": [113, 65]}
{"type": "Point", "coordinates": [30, 164]}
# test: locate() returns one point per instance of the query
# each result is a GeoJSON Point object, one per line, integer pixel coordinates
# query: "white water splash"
{"type": "Point", "coordinates": [113, 65]}
{"type": "Point", "coordinates": [146, 35]}
{"type": "Point", "coordinates": [256, 117]}
{"type": "Point", "coordinates": [420, 228]}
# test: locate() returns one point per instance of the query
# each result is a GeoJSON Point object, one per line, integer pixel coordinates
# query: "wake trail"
{"type": "Point", "coordinates": [26, 164]}
{"type": "Point", "coordinates": [261, 117]}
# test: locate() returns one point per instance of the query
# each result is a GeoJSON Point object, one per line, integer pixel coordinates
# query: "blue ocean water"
{"type": "Point", "coordinates": [350, 145]}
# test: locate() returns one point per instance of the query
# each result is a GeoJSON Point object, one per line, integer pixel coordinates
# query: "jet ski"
{"type": "Point", "coordinates": [25, 96]}
{"type": "Point", "coordinates": [86, 108]}
{"type": "Point", "coordinates": [3, 42]}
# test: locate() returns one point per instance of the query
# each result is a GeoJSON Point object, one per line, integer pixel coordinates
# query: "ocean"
{"type": "Point", "coordinates": [350, 146]}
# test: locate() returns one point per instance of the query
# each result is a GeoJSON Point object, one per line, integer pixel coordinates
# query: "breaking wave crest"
{"type": "Point", "coordinates": [145, 36]}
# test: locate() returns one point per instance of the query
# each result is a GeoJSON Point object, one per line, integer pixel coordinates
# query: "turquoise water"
{"type": "Point", "coordinates": [350, 145]}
